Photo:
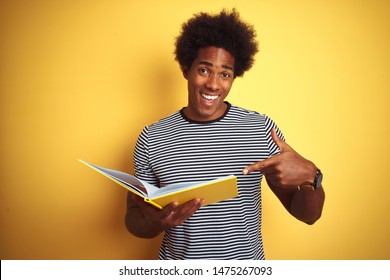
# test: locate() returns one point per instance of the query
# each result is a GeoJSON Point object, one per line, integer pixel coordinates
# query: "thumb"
{"type": "Point", "coordinates": [278, 141]}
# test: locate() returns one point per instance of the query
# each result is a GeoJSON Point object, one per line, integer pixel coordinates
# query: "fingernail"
{"type": "Point", "coordinates": [175, 204]}
{"type": "Point", "coordinates": [245, 171]}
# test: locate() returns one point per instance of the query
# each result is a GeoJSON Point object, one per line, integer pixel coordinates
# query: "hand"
{"type": "Point", "coordinates": [287, 169]}
{"type": "Point", "coordinates": [171, 215]}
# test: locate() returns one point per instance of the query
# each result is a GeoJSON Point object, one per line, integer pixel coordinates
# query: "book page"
{"type": "Point", "coordinates": [126, 179]}
{"type": "Point", "coordinates": [211, 191]}
{"type": "Point", "coordinates": [173, 188]}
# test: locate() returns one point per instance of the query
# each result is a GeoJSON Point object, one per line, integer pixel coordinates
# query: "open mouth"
{"type": "Point", "coordinates": [209, 97]}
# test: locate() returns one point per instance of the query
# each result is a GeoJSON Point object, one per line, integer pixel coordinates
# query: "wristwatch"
{"type": "Point", "coordinates": [317, 181]}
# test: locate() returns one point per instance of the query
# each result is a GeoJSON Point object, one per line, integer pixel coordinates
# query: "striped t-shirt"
{"type": "Point", "coordinates": [176, 150]}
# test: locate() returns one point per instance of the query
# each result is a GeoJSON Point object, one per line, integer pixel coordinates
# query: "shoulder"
{"type": "Point", "coordinates": [244, 114]}
{"type": "Point", "coordinates": [166, 122]}
{"type": "Point", "coordinates": [164, 127]}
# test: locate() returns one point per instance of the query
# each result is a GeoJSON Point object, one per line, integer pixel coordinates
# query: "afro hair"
{"type": "Point", "coordinates": [225, 30]}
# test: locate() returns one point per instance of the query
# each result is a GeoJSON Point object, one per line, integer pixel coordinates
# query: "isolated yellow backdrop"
{"type": "Point", "coordinates": [80, 79]}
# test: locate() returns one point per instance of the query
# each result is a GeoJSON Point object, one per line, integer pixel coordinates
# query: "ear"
{"type": "Point", "coordinates": [185, 72]}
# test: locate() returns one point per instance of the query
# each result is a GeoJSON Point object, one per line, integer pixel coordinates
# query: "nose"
{"type": "Point", "coordinates": [213, 82]}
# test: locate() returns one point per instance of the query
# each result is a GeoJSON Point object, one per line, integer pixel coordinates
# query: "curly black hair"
{"type": "Point", "coordinates": [225, 30]}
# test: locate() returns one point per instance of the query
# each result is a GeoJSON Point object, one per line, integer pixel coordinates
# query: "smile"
{"type": "Point", "coordinates": [209, 97]}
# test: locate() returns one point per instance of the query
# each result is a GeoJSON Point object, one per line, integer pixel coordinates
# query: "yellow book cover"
{"type": "Point", "coordinates": [211, 191]}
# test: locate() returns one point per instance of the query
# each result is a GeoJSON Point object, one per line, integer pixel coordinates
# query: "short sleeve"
{"type": "Point", "coordinates": [273, 148]}
{"type": "Point", "coordinates": [141, 159]}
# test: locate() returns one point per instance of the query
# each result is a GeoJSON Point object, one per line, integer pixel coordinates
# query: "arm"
{"type": "Point", "coordinates": [146, 221]}
{"type": "Point", "coordinates": [303, 203]}
{"type": "Point", "coordinates": [284, 173]}
{"type": "Point", "coordinates": [142, 219]}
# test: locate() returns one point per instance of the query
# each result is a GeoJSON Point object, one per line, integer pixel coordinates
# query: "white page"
{"type": "Point", "coordinates": [181, 186]}
{"type": "Point", "coordinates": [127, 179]}
{"type": "Point", "coordinates": [172, 188]}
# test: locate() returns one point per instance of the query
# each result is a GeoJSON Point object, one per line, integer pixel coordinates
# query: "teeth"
{"type": "Point", "coordinates": [209, 97]}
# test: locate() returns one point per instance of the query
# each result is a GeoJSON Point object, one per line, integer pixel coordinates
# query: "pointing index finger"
{"type": "Point", "coordinates": [260, 165]}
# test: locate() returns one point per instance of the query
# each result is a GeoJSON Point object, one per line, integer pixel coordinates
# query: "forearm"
{"type": "Point", "coordinates": [307, 204]}
{"type": "Point", "coordinates": [137, 224]}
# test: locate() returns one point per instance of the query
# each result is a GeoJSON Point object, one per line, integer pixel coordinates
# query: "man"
{"type": "Point", "coordinates": [211, 138]}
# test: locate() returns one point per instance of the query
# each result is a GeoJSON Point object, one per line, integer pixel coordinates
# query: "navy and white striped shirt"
{"type": "Point", "coordinates": [176, 149]}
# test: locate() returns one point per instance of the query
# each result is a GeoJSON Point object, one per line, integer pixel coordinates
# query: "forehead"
{"type": "Point", "coordinates": [215, 57]}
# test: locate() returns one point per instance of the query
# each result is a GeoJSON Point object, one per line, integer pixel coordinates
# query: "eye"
{"type": "Point", "coordinates": [225, 75]}
{"type": "Point", "coordinates": [203, 71]}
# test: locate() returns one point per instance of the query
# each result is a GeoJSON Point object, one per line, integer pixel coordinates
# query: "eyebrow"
{"type": "Point", "coordinates": [210, 64]}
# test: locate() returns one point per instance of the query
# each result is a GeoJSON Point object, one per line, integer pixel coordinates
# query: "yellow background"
{"type": "Point", "coordinates": [80, 79]}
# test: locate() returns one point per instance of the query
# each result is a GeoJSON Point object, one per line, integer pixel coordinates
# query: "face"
{"type": "Point", "coordinates": [209, 81]}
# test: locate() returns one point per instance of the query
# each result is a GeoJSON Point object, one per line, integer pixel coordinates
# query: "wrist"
{"type": "Point", "coordinates": [311, 171]}
{"type": "Point", "coordinates": [314, 179]}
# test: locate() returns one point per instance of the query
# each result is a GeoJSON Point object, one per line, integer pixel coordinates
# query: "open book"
{"type": "Point", "coordinates": [211, 191]}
